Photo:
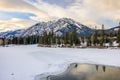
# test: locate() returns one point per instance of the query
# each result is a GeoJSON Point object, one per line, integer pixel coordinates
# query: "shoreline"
{"type": "Point", "coordinates": [35, 61]}
{"type": "Point", "coordinates": [47, 76]}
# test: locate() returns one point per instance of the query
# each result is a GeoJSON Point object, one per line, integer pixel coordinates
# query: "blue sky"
{"type": "Point", "coordinates": [11, 15]}
{"type": "Point", "coordinates": [25, 13]}
{"type": "Point", "coordinates": [62, 3]}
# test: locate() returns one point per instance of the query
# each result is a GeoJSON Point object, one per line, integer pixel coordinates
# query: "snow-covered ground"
{"type": "Point", "coordinates": [25, 62]}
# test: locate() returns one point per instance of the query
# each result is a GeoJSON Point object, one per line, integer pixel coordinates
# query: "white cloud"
{"type": "Point", "coordinates": [77, 11]}
{"type": "Point", "coordinates": [15, 23]}
{"type": "Point", "coordinates": [105, 5]}
{"type": "Point", "coordinates": [22, 6]}
{"type": "Point", "coordinates": [88, 12]}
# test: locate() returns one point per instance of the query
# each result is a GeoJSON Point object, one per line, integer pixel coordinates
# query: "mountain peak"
{"type": "Point", "coordinates": [60, 27]}
{"type": "Point", "coordinates": [67, 20]}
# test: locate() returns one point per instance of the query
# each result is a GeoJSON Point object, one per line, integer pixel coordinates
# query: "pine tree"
{"type": "Point", "coordinates": [24, 41]}
{"type": "Point", "coordinates": [11, 38]}
{"type": "Point", "coordinates": [71, 40]}
{"type": "Point", "coordinates": [40, 40]}
{"type": "Point", "coordinates": [102, 41]}
{"type": "Point", "coordinates": [4, 42]}
{"type": "Point", "coordinates": [118, 36]}
{"type": "Point", "coordinates": [74, 37]}
{"type": "Point", "coordinates": [111, 39]}
{"type": "Point", "coordinates": [95, 37]}
{"type": "Point", "coordinates": [88, 41]}
{"type": "Point", "coordinates": [58, 40]}
{"type": "Point", "coordinates": [17, 40]}
{"type": "Point", "coordinates": [54, 39]}
{"type": "Point", "coordinates": [45, 38]}
{"type": "Point", "coordinates": [66, 38]}
{"type": "Point", "coordinates": [49, 38]}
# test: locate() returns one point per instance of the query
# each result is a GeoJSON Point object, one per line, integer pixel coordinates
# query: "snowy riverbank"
{"type": "Point", "coordinates": [25, 62]}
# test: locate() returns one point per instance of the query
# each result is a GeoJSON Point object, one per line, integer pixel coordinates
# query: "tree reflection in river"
{"type": "Point", "coordinates": [89, 72]}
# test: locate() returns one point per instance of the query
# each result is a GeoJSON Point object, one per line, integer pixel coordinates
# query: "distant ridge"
{"type": "Point", "coordinates": [59, 27]}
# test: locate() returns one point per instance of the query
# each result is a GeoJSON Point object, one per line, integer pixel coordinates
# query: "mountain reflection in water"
{"type": "Point", "coordinates": [88, 72]}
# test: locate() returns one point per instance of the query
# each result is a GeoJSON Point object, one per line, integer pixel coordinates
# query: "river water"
{"type": "Point", "coordinates": [88, 72]}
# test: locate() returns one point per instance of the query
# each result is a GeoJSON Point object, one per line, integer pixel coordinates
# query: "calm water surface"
{"type": "Point", "coordinates": [88, 72]}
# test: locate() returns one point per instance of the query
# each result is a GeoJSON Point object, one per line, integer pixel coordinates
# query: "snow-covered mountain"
{"type": "Point", "coordinates": [113, 30]}
{"type": "Point", "coordinates": [11, 34]}
{"type": "Point", "coordinates": [59, 27]}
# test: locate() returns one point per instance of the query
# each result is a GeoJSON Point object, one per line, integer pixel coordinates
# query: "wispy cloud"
{"type": "Point", "coordinates": [21, 6]}
{"type": "Point", "coordinates": [15, 23]}
{"type": "Point", "coordinates": [88, 12]}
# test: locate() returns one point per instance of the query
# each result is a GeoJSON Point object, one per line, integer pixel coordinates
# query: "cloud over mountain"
{"type": "Point", "coordinates": [89, 12]}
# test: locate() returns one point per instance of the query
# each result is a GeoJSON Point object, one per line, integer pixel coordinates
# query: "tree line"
{"type": "Point", "coordinates": [68, 39]}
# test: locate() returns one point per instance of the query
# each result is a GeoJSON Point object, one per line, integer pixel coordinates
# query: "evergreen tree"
{"type": "Point", "coordinates": [66, 38]}
{"type": "Point", "coordinates": [88, 41]}
{"type": "Point", "coordinates": [24, 41]}
{"type": "Point", "coordinates": [102, 41]}
{"type": "Point", "coordinates": [110, 40]}
{"type": "Point", "coordinates": [11, 38]}
{"type": "Point", "coordinates": [75, 38]}
{"type": "Point", "coordinates": [49, 39]}
{"type": "Point", "coordinates": [40, 40]}
{"type": "Point", "coordinates": [71, 40]}
{"type": "Point", "coordinates": [45, 38]}
{"type": "Point", "coordinates": [52, 37]}
{"type": "Point", "coordinates": [4, 42]}
{"type": "Point", "coordinates": [17, 40]}
{"type": "Point", "coordinates": [118, 36]}
{"type": "Point", "coordinates": [95, 37]}
{"type": "Point", "coordinates": [54, 40]}
{"type": "Point", "coordinates": [82, 40]}
{"type": "Point", "coordinates": [58, 40]}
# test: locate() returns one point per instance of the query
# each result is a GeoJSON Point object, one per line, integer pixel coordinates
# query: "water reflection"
{"type": "Point", "coordinates": [88, 72]}
{"type": "Point", "coordinates": [97, 67]}
{"type": "Point", "coordinates": [103, 68]}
